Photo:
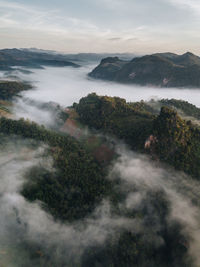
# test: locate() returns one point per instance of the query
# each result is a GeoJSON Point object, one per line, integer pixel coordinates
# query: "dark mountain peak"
{"type": "Point", "coordinates": [188, 59]}
{"type": "Point", "coordinates": [110, 60]}
{"type": "Point", "coordinates": [187, 54]}
{"type": "Point", "coordinates": [167, 55]}
{"type": "Point", "coordinates": [107, 68]}
{"type": "Point", "coordinates": [155, 58]}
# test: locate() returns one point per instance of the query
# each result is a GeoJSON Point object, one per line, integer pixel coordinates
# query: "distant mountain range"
{"type": "Point", "coordinates": [81, 57]}
{"type": "Point", "coordinates": [32, 59]}
{"type": "Point", "coordinates": [161, 69]}
{"type": "Point", "coordinates": [36, 58]}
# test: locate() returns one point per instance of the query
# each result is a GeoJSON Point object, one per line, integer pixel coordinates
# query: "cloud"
{"type": "Point", "coordinates": [154, 25]}
{"type": "Point", "coordinates": [115, 39]}
{"type": "Point", "coordinates": [141, 176]}
{"type": "Point", "coordinates": [25, 228]}
{"type": "Point", "coordinates": [29, 17]}
{"type": "Point", "coordinates": [193, 5]}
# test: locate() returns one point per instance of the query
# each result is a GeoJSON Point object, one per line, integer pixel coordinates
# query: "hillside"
{"type": "Point", "coordinates": [161, 69]}
{"type": "Point", "coordinates": [81, 192]}
{"type": "Point", "coordinates": [9, 89]}
{"type": "Point", "coordinates": [165, 136]}
{"type": "Point", "coordinates": [76, 186]}
{"type": "Point", "coordinates": [26, 58]}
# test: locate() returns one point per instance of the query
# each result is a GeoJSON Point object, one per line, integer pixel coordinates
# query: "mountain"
{"type": "Point", "coordinates": [161, 69]}
{"type": "Point", "coordinates": [127, 205]}
{"type": "Point", "coordinates": [95, 57]}
{"type": "Point", "coordinates": [82, 57]}
{"type": "Point", "coordinates": [165, 135]}
{"type": "Point", "coordinates": [108, 68]}
{"type": "Point", "coordinates": [26, 58]}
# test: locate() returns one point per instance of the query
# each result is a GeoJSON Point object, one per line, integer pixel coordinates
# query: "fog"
{"type": "Point", "coordinates": [141, 176]}
{"type": "Point", "coordinates": [67, 85]}
{"type": "Point", "coordinates": [27, 231]}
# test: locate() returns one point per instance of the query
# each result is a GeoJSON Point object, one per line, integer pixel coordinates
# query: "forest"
{"type": "Point", "coordinates": [168, 137]}
{"type": "Point", "coordinates": [9, 89]}
{"type": "Point", "coordinates": [77, 183]}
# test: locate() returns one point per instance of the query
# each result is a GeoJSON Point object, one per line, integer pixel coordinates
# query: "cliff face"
{"type": "Point", "coordinates": [163, 70]}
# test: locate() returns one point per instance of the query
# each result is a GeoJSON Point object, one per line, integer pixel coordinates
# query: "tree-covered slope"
{"type": "Point", "coordinates": [117, 117]}
{"type": "Point", "coordinates": [9, 89]}
{"type": "Point", "coordinates": [78, 183]}
{"type": "Point", "coordinates": [135, 226]}
{"type": "Point", "coordinates": [32, 59]}
{"type": "Point", "coordinates": [161, 69]}
{"type": "Point", "coordinates": [166, 136]}
{"type": "Point", "coordinates": [177, 141]}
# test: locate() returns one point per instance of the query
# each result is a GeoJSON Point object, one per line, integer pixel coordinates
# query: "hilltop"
{"type": "Point", "coordinates": [161, 69]}
{"type": "Point", "coordinates": [32, 59]}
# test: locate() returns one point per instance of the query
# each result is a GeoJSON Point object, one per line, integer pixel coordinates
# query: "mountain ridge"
{"type": "Point", "coordinates": [19, 57]}
{"type": "Point", "coordinates": [160, 69]}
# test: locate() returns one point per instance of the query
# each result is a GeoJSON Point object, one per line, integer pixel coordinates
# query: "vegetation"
{"type": "Point", "coordinates": [178, 142]}
{"type": "Point", "coordinates": [115, 116]}
{"type": "Point", "coordinates": [161, 69]}
{"type": "Point", "coordinates": [9, 89]}
{"type": "Point", "coordinates": [159, 243]}
{"type": "Point", "coordinates": [77, 185]}
{"type": "Point", "coordinates": [172, 139]}
{"type": "Point", "coordinates": [187, 108]}
{"type": "Point", "coordinates": [5, 108]}
{"type": "Point", "coordinates": [32, 59]}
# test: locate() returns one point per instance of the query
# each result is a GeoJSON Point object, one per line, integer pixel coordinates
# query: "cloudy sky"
{"type": "Point", "coordinates": [138, 26]}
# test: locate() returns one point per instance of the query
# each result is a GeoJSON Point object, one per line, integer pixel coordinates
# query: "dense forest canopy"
{"type": "Point", "coordinates": [166, 136]}
{"type": "Point", "coordinates": [77, 184]}
{"type": "Point", "coordinates": [9, 89]}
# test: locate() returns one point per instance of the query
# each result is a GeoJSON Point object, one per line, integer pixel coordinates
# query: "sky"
{"type": "Point", "coordinates": [73, 26]}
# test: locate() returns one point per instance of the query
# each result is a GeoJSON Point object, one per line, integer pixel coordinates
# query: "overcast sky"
{"type": "Point", "coordinates": [138, 26]}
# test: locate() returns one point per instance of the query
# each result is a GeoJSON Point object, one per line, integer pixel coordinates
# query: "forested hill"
{"type": "Point", "coordinates": [31, 59]}
{"type": "Point", "coordinates": [166, 136]}
{"type": "Point", "coordinates": [77, 186]}
{"type": "Point", "coordinates": [9, 89]}
{"type": "Point", "coordinates": [161, 69]}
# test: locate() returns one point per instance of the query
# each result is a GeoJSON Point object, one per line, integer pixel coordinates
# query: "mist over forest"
{"type": "Point", "coordinates": [96, 173]}
{"type": "Point", "coordinates": [99, 133]}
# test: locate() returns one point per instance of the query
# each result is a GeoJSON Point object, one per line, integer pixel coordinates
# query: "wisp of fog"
{"type": "Point", "coordinates": [26, 229]}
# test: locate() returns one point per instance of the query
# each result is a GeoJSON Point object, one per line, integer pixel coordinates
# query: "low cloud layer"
{"type": "Point", "coordinates": [68, 85]}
